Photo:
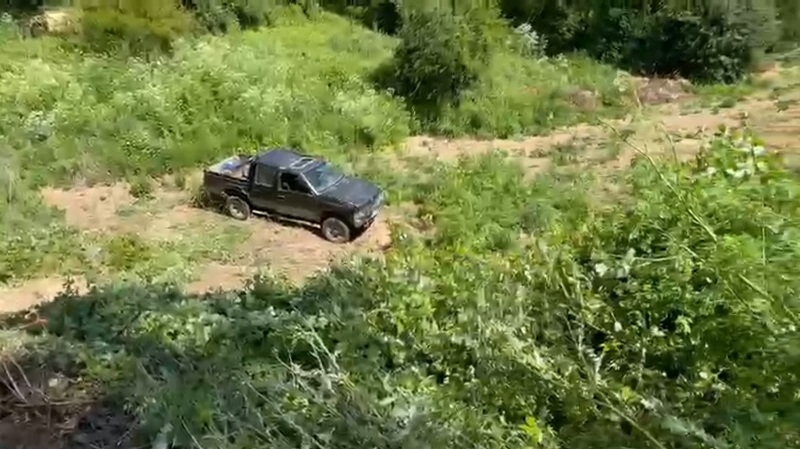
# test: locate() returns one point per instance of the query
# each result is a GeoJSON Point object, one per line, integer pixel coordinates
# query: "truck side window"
{"type": "Point", "coordinates": [293, 183]}
{"type": "Point", "coordinates": [265, 176]}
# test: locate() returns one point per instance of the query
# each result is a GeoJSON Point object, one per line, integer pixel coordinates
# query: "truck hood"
{"type": "Point", "coordinates": [353, 191]}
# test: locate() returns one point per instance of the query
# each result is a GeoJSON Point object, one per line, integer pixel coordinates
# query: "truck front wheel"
{"type": "Point", "coordinates": [335, 230]}
{"type": "Point", "coordinates": [237, 208]}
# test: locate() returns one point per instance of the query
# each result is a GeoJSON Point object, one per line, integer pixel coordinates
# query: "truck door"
{"type": "Point", "coordinates": [295, 198]}
{"type": "Point", "coordinates": [262, 187]}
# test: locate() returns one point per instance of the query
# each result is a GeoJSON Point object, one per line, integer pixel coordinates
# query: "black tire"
{"type": "Point", "coordinates": [237, 208]}
{"type": "Point", "coordinates": [336, 230]}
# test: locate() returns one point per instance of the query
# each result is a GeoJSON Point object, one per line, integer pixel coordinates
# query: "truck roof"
{"type": "Point", "coordinates": [285, 159]}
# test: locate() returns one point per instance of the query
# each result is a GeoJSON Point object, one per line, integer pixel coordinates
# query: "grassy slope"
{"type": "Point", "coordinates": [68, 116]}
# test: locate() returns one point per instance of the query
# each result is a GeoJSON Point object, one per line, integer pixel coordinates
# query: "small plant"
{"type": "Point", "coordinates": [534, 45]}
{"type": "Point", "coordinates": [125, 252]}
{"type": "Point", "coordinates": [142, 188]}
{"type": "Point", "coordinates": [180, 180]}
{"type": "Point", "coordinates": [8, 27]}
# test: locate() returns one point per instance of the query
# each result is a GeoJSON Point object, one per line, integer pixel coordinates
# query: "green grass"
{"type": "Point", "coordinates": [298, 85]}
{"type": "Point", "coordinates": [522, 96]}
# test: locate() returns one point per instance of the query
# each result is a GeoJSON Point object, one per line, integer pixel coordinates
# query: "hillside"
{"type": "Point", "coordinates": [571, 257]}
{"type": "Point", "coordinates": [79, 119]}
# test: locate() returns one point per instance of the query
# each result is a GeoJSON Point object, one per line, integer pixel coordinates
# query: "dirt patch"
{"type": "Point", "coordinates": [451, 149]}
{"type": "Point", "coordinates": [284, 247]}
{"type": "Point", "coordinates": [216, 276]}
{"type": "Point", "coordinates": [33, 292]}
{"type": "Point", "coordinates": [289, 250]}
{"type": "Point", "coordinates": [661, 90]}
{"type": "Point", "coordinates": [112, 209]}
{"type": "Point", "coordinates": [655, 130]}
{"type": "Point", "coordinates": [91, 208]}
{"type": "Point", "coordinates": [297, 251]}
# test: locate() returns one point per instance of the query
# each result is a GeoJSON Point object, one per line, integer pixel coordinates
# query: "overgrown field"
{"type": "Point", "coordinates": [73, 117]}
{"type": "Point", "coordinates": [572, 292]}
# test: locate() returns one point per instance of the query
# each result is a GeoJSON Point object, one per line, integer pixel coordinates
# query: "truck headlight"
{"type": "Point", "coordinates": [360, 216]}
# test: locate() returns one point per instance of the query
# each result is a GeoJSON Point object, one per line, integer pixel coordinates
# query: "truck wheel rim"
{"type": "Point", "coordinates": [335, 230]}
{"type": "Point", "coordinates": [236, 210]}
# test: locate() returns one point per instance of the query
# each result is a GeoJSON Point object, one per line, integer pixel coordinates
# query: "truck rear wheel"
{"type": "Point", "coordinates": [335, 230]}
{"type": "Point", "coordinates": [237, 208]}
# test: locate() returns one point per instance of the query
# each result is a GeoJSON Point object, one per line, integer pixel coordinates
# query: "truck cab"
{"type": "Point", "coordinates": [298, 186]}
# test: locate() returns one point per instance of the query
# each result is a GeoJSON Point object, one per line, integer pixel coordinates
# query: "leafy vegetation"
{"type": "Point", "coordinates": [666, 320]}
{"type": "Point", "coordinates": [517, 313]}
{"type": "Point", "coordinates": [100, 118]}
{"type": "Point", "coordinates": [133, 27]}
{"type": "Point", "coordinates": [439, 56]}
{"type": "Point", "coordinates": [706, 41]}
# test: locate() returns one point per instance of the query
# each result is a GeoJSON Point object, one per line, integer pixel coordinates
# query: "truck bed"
{"type": "Point", "coordinates": [230, 173]}
{"type": "Point", "coordinates": [234, 166]}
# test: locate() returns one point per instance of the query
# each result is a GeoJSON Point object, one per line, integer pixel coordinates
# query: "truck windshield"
{"type": "Point", "coordinates": [322, 176]}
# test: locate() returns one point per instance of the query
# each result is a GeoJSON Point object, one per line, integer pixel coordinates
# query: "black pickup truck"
{"type": "Point", "coordinates": [287, 183]}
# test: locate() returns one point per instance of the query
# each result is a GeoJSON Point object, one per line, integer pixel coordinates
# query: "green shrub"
{"type": "Point", "coordinates": [439, 56]}
{"type": "Point", "coordinates": [520, 96]}
{"type": "Point", "coordinates": [124, 252]}
{"type": "Point", "coordinates": [789, 14]}
{"type": "Point", "coordinates": [556, 21]}
{"type": "Point", "coordinates": [9, 30]}
{"type": "Point", "coordinates": [216, 16]}
{"type": "Point", "coordinates": [142, 188]}
{"type": "Point", "coordinates": [707, 42]}
{"type": "Point", "coordinates": [710, 49]}
{"type": "Point", "coordinates": [470, 74]}
{"type": "Point", "coordinates": [224, 15]}
{"type": "Point", "coordinates": [762, 25]}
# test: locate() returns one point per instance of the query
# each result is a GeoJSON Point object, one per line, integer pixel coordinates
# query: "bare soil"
{"type": "Point", "coordinates": [30, 293]}
{"type": "Point", "coordinates": [666, 127]}
{"type": "Point", "coordinates": [290, 249]}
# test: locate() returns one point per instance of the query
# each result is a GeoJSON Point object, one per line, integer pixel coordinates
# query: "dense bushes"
{"type": "Point", "coordinates": [223, 15]}
{"type": "Point", "coordinates": [705, 41]}
{"type": "Point", "coordinates": [709, 48]}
